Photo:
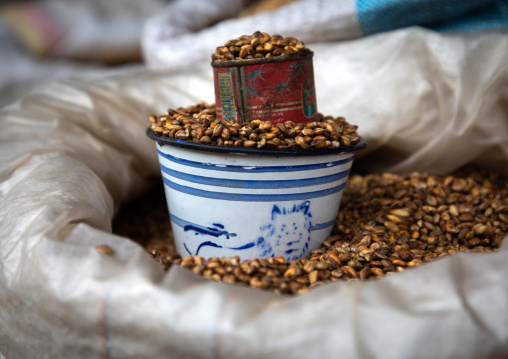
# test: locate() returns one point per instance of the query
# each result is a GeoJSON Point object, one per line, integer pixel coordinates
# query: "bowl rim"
{"type": "Point", "coordinates": [162, 141]}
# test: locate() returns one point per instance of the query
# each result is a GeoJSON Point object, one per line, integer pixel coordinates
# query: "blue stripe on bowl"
{"type": "Point", "coordinates": [217, 230]}
{"type": "Point", "coordinates": [211, 231]}
{"type": "Point", "coordinates": [216, 233]}
{"type": "Point", "coordinates": [251, 169]}
{"type": "Point", "coordinates": [235, 183]}
{"type": "Point", "coordinates": [319, 226]}
{"type": "Point", "coordinates": [252, 197]}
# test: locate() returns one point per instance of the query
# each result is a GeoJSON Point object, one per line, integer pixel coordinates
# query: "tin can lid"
{"type": "Point", "coordinates": [262, 60]}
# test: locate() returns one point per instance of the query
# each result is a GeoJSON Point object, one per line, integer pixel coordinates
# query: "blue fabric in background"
{"type": "Point", "coordinates": [443, 15]}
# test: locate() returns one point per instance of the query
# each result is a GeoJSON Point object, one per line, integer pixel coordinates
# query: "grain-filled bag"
{"type": "Point", "coordinates": [72, 154]}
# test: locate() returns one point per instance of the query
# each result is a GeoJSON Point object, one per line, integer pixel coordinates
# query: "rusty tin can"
{"type": "Point", "coordinates": [276, 89]}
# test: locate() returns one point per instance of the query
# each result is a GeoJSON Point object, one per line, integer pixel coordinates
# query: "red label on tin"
{"type": "Point", "coordinates": [274, 91]}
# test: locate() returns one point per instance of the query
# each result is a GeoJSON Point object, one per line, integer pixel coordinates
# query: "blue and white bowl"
{"type": "Point", "coordinates": [251, 203]}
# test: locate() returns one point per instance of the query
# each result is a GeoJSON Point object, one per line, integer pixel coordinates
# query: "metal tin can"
{"type": "Point", "coordinates": [276, 89]}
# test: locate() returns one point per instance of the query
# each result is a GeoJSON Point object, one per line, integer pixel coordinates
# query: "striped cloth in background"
{"type": "Point", "coordinates": [458, 15]}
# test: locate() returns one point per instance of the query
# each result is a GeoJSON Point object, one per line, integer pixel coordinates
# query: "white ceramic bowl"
{"type": "Point", "coordinates": [251, 203]}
